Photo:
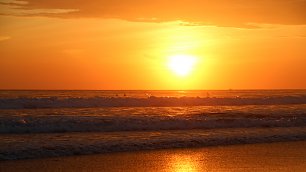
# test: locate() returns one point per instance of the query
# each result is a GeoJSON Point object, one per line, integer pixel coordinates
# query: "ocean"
{"type": "Point", "coordinates": [39, 124]}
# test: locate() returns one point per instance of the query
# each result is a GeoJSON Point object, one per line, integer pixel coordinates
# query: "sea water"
{"type": "Point", "coordinates": [36, 124]}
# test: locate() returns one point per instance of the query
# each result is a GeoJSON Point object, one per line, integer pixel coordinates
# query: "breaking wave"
{"type": "Point", "coordinates": [67, 144]}
{"type": "Point", "coordinates": [91, 120]}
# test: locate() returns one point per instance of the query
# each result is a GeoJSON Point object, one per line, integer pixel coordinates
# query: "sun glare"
{"type": "Point", "coordinates": [182, 65]}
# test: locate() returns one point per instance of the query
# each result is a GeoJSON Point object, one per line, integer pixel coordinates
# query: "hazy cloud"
{"type": "Point", "coordinates": [237, 13]}
{"type": "Point", "coordinates": [13, 2]}
{"type": "Point", "coordinates": [3, 38]}
{"type": "Point", "coordinates": [20, 8]}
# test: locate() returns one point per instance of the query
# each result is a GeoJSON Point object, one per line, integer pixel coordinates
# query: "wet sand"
{"type": "Point", "coordinates": [286, 156]}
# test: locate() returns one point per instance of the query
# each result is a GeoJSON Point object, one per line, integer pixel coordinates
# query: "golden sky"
{"type": "Point", "coordinates": [127, 44]}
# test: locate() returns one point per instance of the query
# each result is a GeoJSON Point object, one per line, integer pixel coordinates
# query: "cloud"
{"type": "Point", "coordinates": [234, 13]}
{"type": "Point", "coordinates": [3, 38]}
{"type": "Point", "coordinates": [19, 8]}
{"type": "Point", "coordinates": [13, 2]}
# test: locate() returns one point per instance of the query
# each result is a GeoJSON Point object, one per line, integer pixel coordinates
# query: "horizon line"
{"type": "Point", "coordinates": [242, 89]}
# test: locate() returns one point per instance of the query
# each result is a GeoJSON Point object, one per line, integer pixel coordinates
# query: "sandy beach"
{"type": "Point", "coordinates": [284, 156]}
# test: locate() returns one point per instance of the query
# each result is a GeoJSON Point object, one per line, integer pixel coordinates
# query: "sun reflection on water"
{"type": "Point", "coordinates": [184, 163]}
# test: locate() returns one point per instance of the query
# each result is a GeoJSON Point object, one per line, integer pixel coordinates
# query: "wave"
{"type": "Point", "coordinates": [78, 122]}
{"type": "Point", "coordinates": [65, 144]}
{"type": "Point", "coordinates": [55, 102]}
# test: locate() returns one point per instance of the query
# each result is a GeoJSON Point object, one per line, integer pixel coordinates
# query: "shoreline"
{"type": "Point", "coordinates": [278, 156]}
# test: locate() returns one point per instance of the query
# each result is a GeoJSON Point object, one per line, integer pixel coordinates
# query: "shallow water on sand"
{"type": "Point", "coordinates": [287, 156]}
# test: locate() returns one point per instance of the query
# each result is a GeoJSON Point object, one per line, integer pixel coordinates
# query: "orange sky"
{"type": "Point", "coordinates": [79, 44]}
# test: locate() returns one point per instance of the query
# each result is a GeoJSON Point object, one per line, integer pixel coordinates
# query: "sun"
{"type": "Point", "coordinates": [182, 65]}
